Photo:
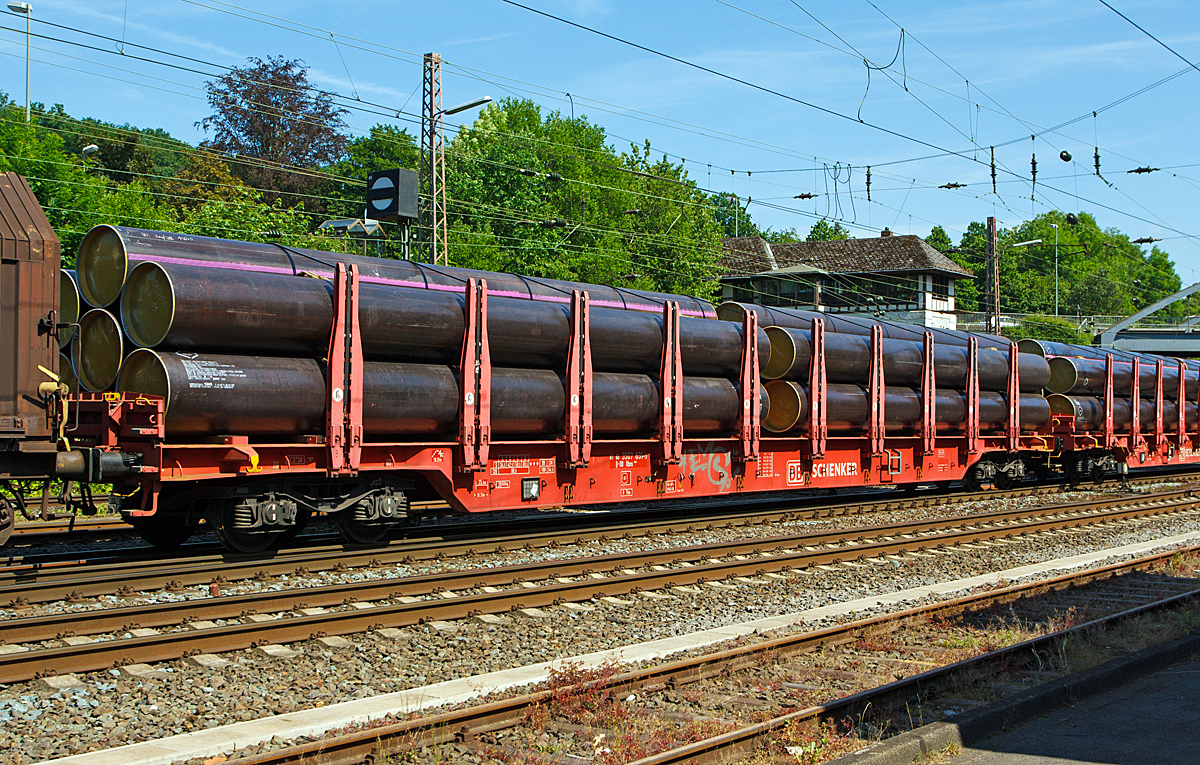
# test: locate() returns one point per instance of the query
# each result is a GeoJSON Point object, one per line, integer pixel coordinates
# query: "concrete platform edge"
{"type": "Point", "coordinates": [1005, 714]}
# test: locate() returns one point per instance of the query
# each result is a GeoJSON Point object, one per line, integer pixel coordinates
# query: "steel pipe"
{"type": "Point", "coordinates": [66, 372]}
{"type": "Point", "coordinates": [70, 305]}
{"type": "Point", "coordinates": [1086, 377]}
{"type": "Point", "coordinates": [848, 359]}
{"type": "Point", "coordinates": [1048, 349]}
{"type": "Point", "coordinates": [848, 407]}
{"type": "Point", "coordinates": [98, 350]}
{"type": "Point", "coordinates": [849, 324]}
{"type": "Point", "coordinates": [1089, 413]}
{"type": "Point", "coordinates": [109, 252]}
{"type": "Point", "coordinates": [193, 308]}
{"type": "Point", "coordinates": [212, 394]}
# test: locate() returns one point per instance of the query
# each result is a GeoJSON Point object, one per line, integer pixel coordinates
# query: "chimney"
{"type": "Point", "coordinates": [885, 233]}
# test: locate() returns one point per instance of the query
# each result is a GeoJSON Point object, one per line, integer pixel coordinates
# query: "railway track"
{"type": "Point", "coordinates": [131, 634]}
{"type": "Point", "coordinates": [857, 679]}
{"type": "Point", "coordinates": [70, 529]}
{"type": "Point", "coordinates": [76, 529]}
{"type": "Point", "coordinates": [39, 579]}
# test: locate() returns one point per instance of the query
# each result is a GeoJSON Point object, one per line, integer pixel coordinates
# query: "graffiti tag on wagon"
{"type": "Point", "coordinates": [714, 464]}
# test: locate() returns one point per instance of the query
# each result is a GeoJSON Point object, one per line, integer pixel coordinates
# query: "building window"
{"type": "Point", "coordinates": [941, 286]}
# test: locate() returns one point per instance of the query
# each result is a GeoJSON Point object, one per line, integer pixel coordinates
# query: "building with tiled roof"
{"type": "Point", "coordinates": [898, 277]}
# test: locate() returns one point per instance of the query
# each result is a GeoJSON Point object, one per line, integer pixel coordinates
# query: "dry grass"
{"type": "Point", "coordinates": [1094, 647]}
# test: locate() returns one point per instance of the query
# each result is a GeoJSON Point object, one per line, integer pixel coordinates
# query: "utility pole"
{"type": "Point", "coordinates": [993, 252]}
{"type": "Point", "coordinates": [433, 147]}
{"type": "Point", "coordinates": [26, 9]}
{"type": "Point", "coordinates": [1055, 227]}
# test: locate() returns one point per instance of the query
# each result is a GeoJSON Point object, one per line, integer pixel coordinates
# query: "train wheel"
{"type": "Point", "coordinates": [8, 519]}
{"type": "Point", "coordinates": [358, 532]}
{"type": "Point", "coordinates": [163, 531]}
{"type": "Point", "coordinates": [1004, 481]}
{"type": "Point", "coordinates": [973, 480]}
{"type": "Point", "coordinates": [240, 540]}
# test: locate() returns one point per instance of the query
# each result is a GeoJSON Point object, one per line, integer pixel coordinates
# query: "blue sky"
{"type": "Point", "coordinates": [978, 74]}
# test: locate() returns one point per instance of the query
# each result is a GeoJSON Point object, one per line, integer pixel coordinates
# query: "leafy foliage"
{"type": "Point", "coordinates": [1054, 328]}
{"type": "Point", "coordinates": [1100, 271]}
{"type": "Point", "coordinates": [823, 232]}
{"type": "Point", "coordinates": [546, 195]}
{"type": "Point", "coordinates": [268, 116]}
{"type": "Point", "coordinates": [530, 192]}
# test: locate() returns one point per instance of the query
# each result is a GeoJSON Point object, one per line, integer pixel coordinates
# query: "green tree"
{"type": "Point", "coordinates": [277, 124]}
{"type": "Point", "coordinates": [732, 216]}
{"type": "Point", "coordinates": [74, 197]}
{"type": "Point", "coordinates": [782, 236]}
{"type": "Point", "coordinates": [546, 195]}
{"type": "Point", "coordinates": [823, 232]}
{"type": "Point", "coordinates": [939, 240]}
{"type": "Point", "coordinates": [1100, 271]}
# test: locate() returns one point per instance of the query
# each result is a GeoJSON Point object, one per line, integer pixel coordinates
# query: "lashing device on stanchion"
{"type": "Point", "coordinates": [1181, 397]}
{"type": "Point", "coordinates": [1110, 435]}
{"type": "Point", "coordinates": [475, 381]}
{"type": "Point", "coordinates": [928, 397]}
{"type": "Point", "coordinates": [750, 388]}
{"type": "Point", "coordinates": [1135, 410]}
{"type": "Point", "coordinates": [578, 434]}
{"type": "Point", "coordinates": [1159, 432]}
{"type": "Point", "coordinates": [972, 395]}
{"type": "Point", "coordinates": [1013, 425]}
{"type": "Point", "coordinates": [670, 412]}
{"type": "Point", "coordinates": [818, 428]}
{"type": "Point", "coordinates": [344, 371]}
{"type": "Point", "coordinates": [876, 425]}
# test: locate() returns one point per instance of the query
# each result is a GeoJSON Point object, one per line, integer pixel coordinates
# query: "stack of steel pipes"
{"type": "Point", "coordinates": [70, 307]}
{"type": "Point", "coordinates": [233, 334]}
{"type": "Point", "coordinates": [847, 367]}
{"type": "Point", "coordinates": [1049, 349]}
{"type": "Point", "coordinates": [1077, 388]}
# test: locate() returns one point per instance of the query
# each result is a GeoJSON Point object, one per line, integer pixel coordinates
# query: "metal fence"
{"type": "Point", "coordinates": [976, 321]}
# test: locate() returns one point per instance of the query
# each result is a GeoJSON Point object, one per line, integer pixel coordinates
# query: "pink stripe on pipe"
{"type": "Point", "coordinates": [230, 266]}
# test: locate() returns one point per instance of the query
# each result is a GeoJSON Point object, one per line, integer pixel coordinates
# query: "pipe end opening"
{"type": "Point", "coordinates": [148, 304]}
{"type": "Point", "coordinates": [101, 266]}
{"type": "Point", "coordinates": [787, 406]}
{"type": "Point", "coordinates": [99, 350]}
{"type": "Point", "coordinates": [144, 372]}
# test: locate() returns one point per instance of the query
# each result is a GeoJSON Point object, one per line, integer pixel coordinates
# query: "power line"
{"type": "Point", "coordinates": [731, 78]}
{"type": "Point", "coordinates": [601, 186]}
{"type": "Point", "coordinates": [1152, 37]}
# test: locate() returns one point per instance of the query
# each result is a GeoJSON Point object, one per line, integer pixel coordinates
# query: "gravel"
{"type": "Point", "coordinates": [567, 551]}
{"type": "Point", "coordinates": [114, 709]}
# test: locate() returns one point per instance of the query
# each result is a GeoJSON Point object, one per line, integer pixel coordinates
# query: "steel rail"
{"type": "Point", "coordinates": [25, 584]}
{"type": "Point", "coordinates": [70, 527]}
{"type": "Point", "coordinates": [616, 514]}
{"type": "Point", "coordinates": [26, 665]}
{"type": "Point", "coordinates": [94, 622]}
{"type": "Point", "coordinates": [374, 744]}
{"type": "Point", "coordinates": [74, 579]}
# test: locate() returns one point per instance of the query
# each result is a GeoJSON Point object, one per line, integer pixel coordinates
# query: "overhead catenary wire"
{"type": "Point", "coordinates": [376, 47]}
{"type": "Point", "coordinates": [202, 5]}
{"type": "Point", "coordinates": [360, 107]}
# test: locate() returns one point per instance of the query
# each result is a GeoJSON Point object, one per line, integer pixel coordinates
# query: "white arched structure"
{"type": "Point", "coordinates": [1181, 340]}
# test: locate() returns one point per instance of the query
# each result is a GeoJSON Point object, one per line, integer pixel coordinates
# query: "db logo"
{"type": "Point", "coordinates": [795, 473]}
